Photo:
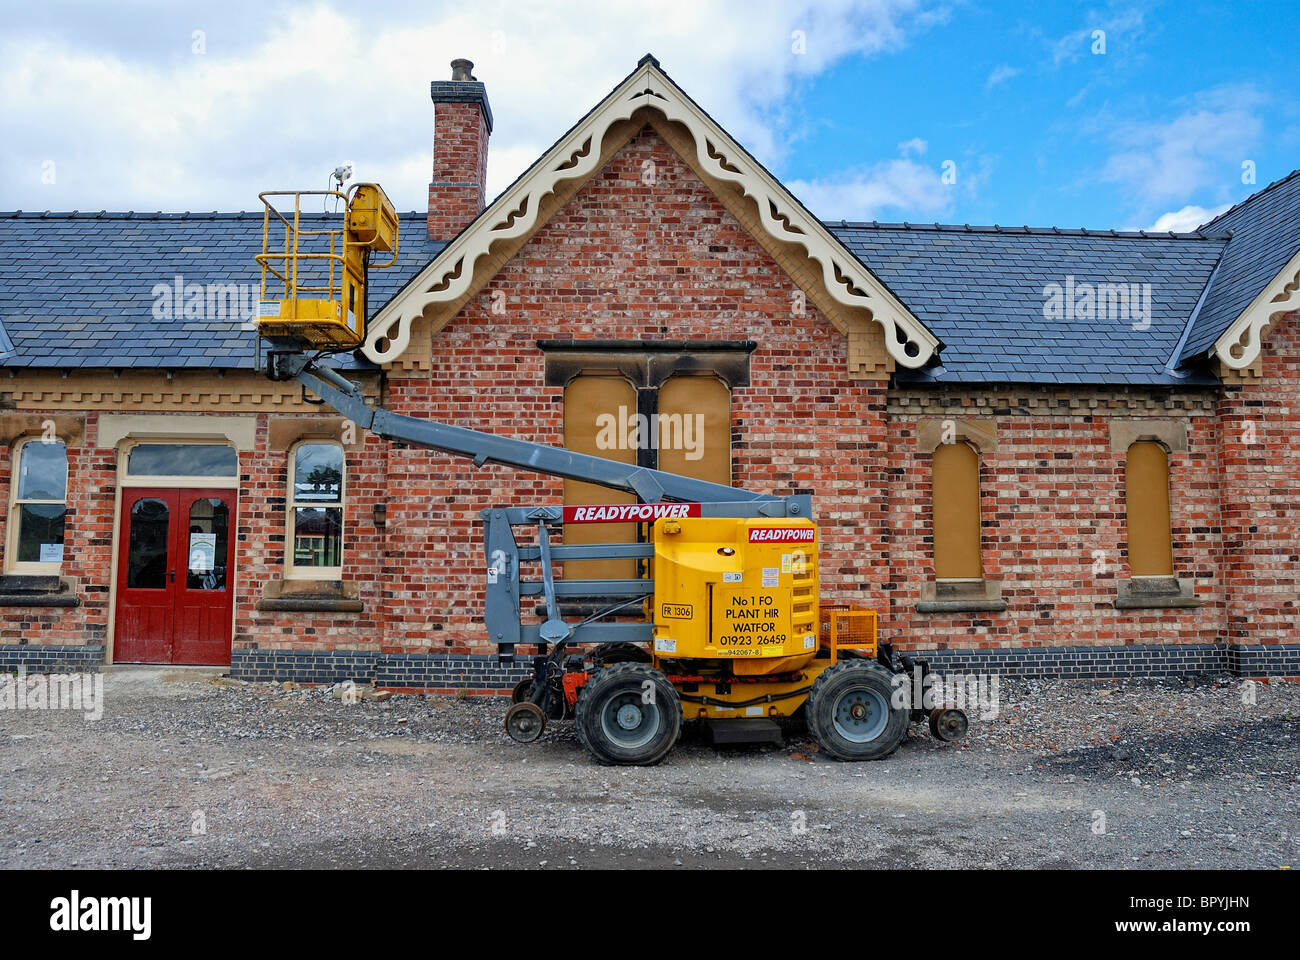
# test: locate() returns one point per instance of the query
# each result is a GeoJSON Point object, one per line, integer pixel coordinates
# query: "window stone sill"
{"type": "Point", "coordinates": [961, 596]}
{"type": "Point", "coordinates": [20, 590]}
{"type": "Point", "coordinates": [1155, 593]}
{"type": "Point", "coordinates": [311, 596]}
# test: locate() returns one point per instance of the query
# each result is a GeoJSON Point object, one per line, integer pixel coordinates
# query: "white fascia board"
{"type": "Point", "coordinates": [1282, 295]}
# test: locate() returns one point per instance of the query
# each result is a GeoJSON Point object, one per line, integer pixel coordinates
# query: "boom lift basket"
{"type": "Point", "coordinates": [314, 273]}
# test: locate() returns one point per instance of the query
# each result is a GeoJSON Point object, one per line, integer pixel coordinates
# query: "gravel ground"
{"type": "Point", "coordinates": [1068, 774]}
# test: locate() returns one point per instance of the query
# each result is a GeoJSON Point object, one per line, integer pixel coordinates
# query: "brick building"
{"type": "Point", "coordinates": [1038, 451]}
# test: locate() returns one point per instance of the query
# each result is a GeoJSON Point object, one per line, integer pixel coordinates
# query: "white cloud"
{"type": "Point", "coordinates": [1201, 149]}
{"type": "Point", "coordinates": [137, 121]}
{"type": "Point", "coordinates": [900, 189]}
{"type": "Point", "coordinates": [1122, 23]}
{"type": "Point", "coordinates": [1187, 219]}
{"type": "Point", "coordinates": [1001, 74]}
{"type": "Point", "coordinates": [915, 147]}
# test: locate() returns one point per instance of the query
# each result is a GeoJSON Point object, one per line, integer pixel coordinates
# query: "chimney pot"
{"type": "Point", "coordinates": [462, 69]}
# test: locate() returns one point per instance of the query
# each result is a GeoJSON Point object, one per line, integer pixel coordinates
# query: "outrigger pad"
{"type": "Point", "coordinates": [723, 733]}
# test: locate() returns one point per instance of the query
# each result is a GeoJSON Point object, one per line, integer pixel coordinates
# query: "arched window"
{"type": "Point", "coordinates": [695, 428]}
{"type": "Point", "coordinates": [314, 539]}
{"type": "Point", "coordinates": [599, 419]}
{"type": "Point", "coordinates": [683, 427]}
{"type": "Point", "coordinates": [38, 506]}
{"type": "Point", "coordinates": [1146, 495]}
{"type": "Point", "coordinates": [955, 495]}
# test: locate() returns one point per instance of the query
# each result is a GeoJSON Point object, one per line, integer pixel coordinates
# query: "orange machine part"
{"type": "Point", "coordinates": [572, 682]}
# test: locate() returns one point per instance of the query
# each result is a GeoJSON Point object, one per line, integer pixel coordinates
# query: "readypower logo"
{"type": "Point", "coordinates": [782, 534]}
{"type": "Point", "coordinates": [628, 512]}
{"type": "Point", "coordinates": [75, 914]}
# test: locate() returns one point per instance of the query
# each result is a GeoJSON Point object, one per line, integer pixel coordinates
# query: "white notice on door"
{"type": "Point", "coordinates": [203, 552]}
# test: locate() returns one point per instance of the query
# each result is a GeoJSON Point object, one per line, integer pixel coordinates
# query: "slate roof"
{"type": "Point", "coordinates": [1265, 232]}
{"type": "Point", "coordinates": [77, 290]}
{"type": "Point", "coordinates": [982, 291]}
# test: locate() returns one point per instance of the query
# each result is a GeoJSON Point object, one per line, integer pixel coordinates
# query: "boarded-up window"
{"type": "Point", "coordinates": [1146, 493]}
{"type": "Point", "coordinates": [955, 493]}
{"type": "Point", "coordinates": [695, 428]}
{"type": "Point", "coordinates": [599, 414]}
{"type": "Point", "coordinates": [688, 432]}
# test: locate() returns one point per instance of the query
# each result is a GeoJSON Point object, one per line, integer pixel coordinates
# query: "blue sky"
{"type": "Point", "coordinates": [859, 105]}
{"type": "Point", "coordinates": [1053, 134]}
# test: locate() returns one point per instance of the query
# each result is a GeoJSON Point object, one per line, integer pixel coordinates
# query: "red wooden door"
{"type": "Point", "coordinates": [175, 589]}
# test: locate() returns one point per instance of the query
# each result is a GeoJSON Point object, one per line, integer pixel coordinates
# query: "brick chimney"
{"type": "Point", "coordinates": [462, 122]}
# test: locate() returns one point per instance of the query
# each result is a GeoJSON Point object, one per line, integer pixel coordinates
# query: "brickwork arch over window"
{"type": "Point", "coordinates": [955, 495]}
{"type": "Point", "coordinates": [1146, 495]}
{"type": "Point", "coordinates": [316, 504]}
{"type": "Point", "coordinates": [38, 507]}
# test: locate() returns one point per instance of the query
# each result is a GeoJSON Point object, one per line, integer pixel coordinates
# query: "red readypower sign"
{"type": "Point", "coordinates": [782, 534]}
{"type": "Point", "coordinates": [630, 512]}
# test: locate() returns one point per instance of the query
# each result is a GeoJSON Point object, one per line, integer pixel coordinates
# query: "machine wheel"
{"type": "Point", "coordinates": [621, 652]}
{"type": "Point", "coordinates": [628, 713]}
{"type": "Point", "coordinates": [525, 722]}
{"type": "Point", "coordinates": [948, 724]}
{"type": "Point", "coordinates": [523, 690]}
{"type": "Point", "coordinates": [850, 713]}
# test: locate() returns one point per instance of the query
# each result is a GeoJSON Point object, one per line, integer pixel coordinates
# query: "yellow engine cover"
{"type": "Point", "coordinates": [736, 589]}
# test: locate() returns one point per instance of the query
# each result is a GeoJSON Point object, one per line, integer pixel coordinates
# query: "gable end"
{"type": "Point", "coordinates": [469, 260]}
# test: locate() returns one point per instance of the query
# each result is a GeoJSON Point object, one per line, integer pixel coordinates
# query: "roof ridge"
{"type": "Point", "coordinates": [1176, 358]}
{"type": "Point", "coordinates": [1198, 234]}
{"type": "Point", "coordinates": [1250, 199]}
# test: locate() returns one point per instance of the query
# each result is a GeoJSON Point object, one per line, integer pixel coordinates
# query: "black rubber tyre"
{"type": "Point", "coordinates": [615, 722]}
{"type": "Point", "coordinates": [850, 712]}
{"type": "Point", "coordinates": [620, 652]}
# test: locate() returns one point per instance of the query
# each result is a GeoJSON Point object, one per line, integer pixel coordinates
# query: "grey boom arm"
{"type": "Point", "coordinates": [650, 486]}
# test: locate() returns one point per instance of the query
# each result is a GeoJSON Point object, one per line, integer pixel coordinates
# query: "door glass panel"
{"type": "Point", "coordinates": [146, 565]}
{"type": "Point", "coordinates": [209, 527]}
{"type": "Point", "coordinates": [182, 460]}
{"type": "Point", "coordinates": [317, 536]}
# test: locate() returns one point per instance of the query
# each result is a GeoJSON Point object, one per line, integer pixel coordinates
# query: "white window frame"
{"type": "Point", "coordinates": [127, 479]}
{"type": "Point", "coordinates": [291, 570]}
{"type": "Point", "coordinates": [12, 564]}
